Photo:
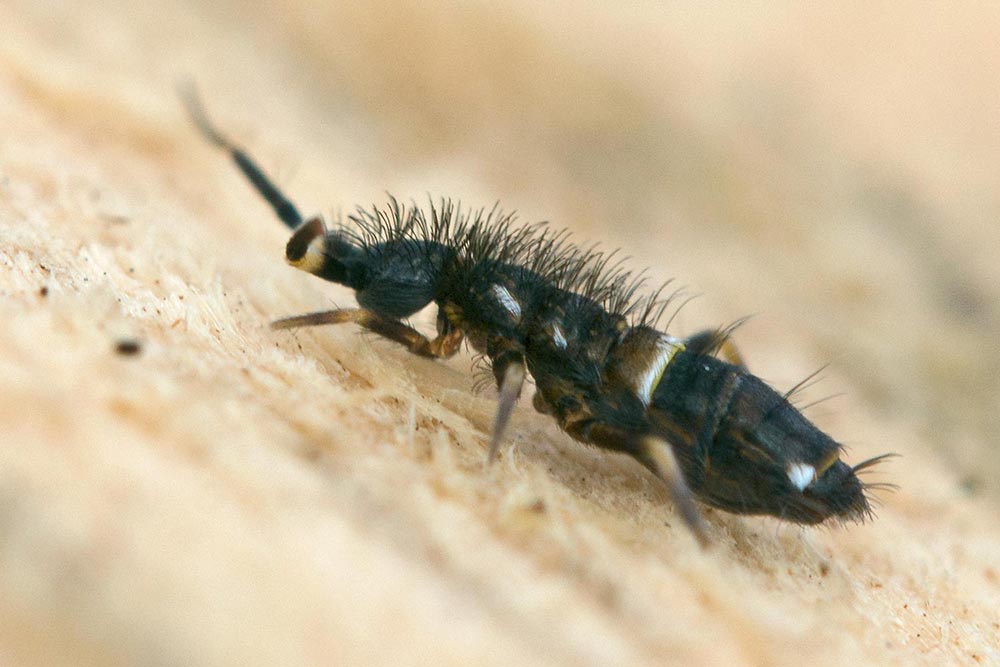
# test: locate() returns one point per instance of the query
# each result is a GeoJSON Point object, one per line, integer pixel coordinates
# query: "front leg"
{"type": "Point", "coordinates": [445, 345]}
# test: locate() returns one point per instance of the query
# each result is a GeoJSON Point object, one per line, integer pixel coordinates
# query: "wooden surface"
{"type": "Point", "coordinates": [234, 495]}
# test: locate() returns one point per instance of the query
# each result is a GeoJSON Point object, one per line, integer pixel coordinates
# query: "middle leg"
{"type": "Point", "coordinates": [509, 370]}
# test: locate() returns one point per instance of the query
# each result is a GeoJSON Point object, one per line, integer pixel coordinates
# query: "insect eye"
{"type": "Point", "coordinates": [305, 248]}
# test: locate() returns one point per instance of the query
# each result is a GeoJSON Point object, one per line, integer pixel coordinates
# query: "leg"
{"type": "Point", "coordinates": [540, 404]}
{"type": "Point", "coordinates": [652, 451]}
{"type": "Point", "coordinates": [509, 370]}
{"type": "Point", "coordinates": [449, 337]}
{"type": "Point", "coordinates": [445, 345]}
{"type": "Point", "coordinates": [658, 456]}
{"type": "Point", "coordinates": [711, 341]}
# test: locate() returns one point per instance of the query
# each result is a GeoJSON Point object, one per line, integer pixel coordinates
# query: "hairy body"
{"type": "Point", "coordinates": [532, 302]}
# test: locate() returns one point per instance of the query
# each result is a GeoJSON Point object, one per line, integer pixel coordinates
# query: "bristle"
{"type": "Point", "coordinates": [484, 235]}
{"type": "Point", "coordinates": [688, 299]}
{"type": "Point", "coordinates": [812, 404]}
{"type": "Point", "coordinates": [806, 382]}
{"type": "Point", "coordinates": [872, 499]}
{"type": "Point", "coordinates": [873, 461]}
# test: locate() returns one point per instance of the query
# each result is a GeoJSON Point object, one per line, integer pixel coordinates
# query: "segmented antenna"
{"type": "Point", "coordinates": [284, 208]}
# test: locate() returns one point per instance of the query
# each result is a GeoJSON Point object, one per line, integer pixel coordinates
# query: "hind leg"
{"type": "Point", "coordinates": [509, 370]}
{"type": "Point", "coordinates": [576, 417]}
{"type": "Point", "coordinates": [711, 341]}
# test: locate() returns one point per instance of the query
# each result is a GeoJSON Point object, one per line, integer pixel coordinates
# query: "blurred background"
{"type": "Point", "coordinates": [829, 168]}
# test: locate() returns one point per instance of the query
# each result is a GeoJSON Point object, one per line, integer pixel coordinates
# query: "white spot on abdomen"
{"type": "Point", "coordinates": [507, 301]}
{"type": "Point", "coordinates": [801, 475]}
